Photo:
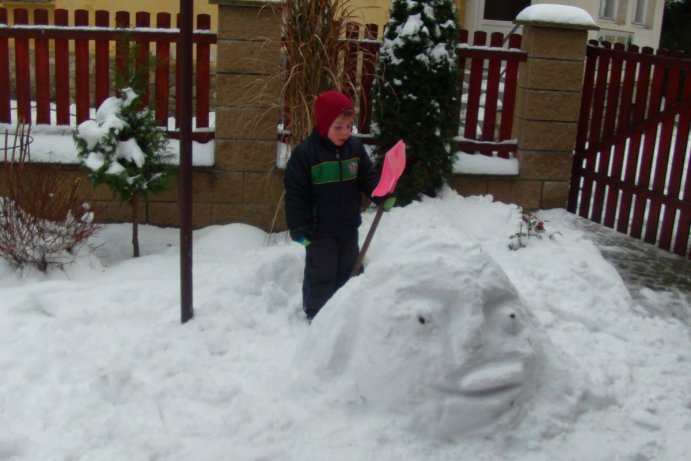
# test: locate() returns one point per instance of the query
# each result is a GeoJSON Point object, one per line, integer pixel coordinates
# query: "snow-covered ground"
{"type": "Point", "coordinates": [451, 346]}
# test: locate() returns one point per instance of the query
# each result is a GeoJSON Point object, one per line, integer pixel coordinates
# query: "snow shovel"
{"type": "Point", "coordinates": [394, 163]}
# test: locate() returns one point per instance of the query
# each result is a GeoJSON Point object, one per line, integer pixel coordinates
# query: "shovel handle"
{"type": "Point", "coordinates": [368, 239]}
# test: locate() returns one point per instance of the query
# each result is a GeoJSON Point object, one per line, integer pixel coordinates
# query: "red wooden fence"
{"type": "Point", "coordinates": [93, 76]}
{"type": "Point", "coordinates": [364, 48]}
{"type": "Point", "coordinates": [488, 82]}
{"type": "Point", "coordinates": [632, 160]}
{"type": "Point", "coordinates": [489, 78]}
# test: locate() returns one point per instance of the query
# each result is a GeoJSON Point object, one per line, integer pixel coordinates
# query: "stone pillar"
{"type": "Point", "coordinates": [548, 105]}
{"type": "Point", "coordinates": [247, 102]}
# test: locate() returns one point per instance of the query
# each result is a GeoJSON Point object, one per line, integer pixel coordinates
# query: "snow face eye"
{"type": "Point", "coordinates": [510, 321]}
{"type": "Point", "coordinates": [505, 318]}
{"type": "Point", "coordinates": [422, 319]}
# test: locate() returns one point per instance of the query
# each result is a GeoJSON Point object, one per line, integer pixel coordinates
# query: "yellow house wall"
{"type": "Point", "coordinates": [132, 6]}
{"type": "Point", "coordinates": [366, 11]}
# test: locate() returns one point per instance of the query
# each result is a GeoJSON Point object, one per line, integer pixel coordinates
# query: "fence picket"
{"type": "Point", "coordinates": [81, 68]}
{"type": "Point", "coordinates": [203, 74]}
{"type": "Point", "coordinates": [122, 47]}
{"type": "Point", "coordinates": [5, 109]}
{"type": "Point", "coordinates": [594, 133]}
{"type": "Point", "coordinates": [682, 240]}
{"type": "Point", "coordinates": [143, 19]}
{"type": "Point", "coordinates": [492, 94]}
{"type": "Point", "coordinates": [350, 59]}
{"type": "Point", "coordinates": [162, 105]}
{"type": "Point", "coordinates": [62, 71]}
{"type": "Point", "coordinates": [472, 107]}
{"type": "Point", "coordinates": [675, 175]}
{"type": "Point", "coordinates": [42, 69]}
{"type": "Point", "coordinates": [22, 69]}
{"type": "Point", "coordinates": [624, 106]}
{"type": "Point", "coordinates": [612, 90]}
{"type": "Point", "coordinates": [641, 95]}
{"type": "Point", "coordinates": [178, 69]}
{"type": "Point", "coordinates": [369, 60]}
{"type": "Point", "coordinates": [646, 163]}
{"type": "Point", "coordinates": [102, 61]}
{"type": "Point", "coordinates": [582, 133]}
{"type": "Point", "coordinates": [662, 160]}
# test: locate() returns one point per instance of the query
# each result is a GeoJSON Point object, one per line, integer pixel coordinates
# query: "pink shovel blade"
{"type": "Point", "coordinates": [394, 163]}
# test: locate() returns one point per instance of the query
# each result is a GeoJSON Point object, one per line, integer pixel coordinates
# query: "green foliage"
{"type": "Point", "coordinates": [124, 147]}
{"type": "Point", "coordinates": [675, 35]}
{"type": "Point", "coordinates": [133, 64]}
{"type": "Point", "coordinates": [416, 98]}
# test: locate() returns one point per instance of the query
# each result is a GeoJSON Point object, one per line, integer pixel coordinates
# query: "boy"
{"type": "Point", "coordinates": [324, 178]}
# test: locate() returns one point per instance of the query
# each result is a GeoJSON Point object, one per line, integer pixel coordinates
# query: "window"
{"type": "Point", "coordinates": [608, 9]}
{"type": "Point", "coordinates": [501, 10]}
{"type": "Point", "coordinates": [639, 11]}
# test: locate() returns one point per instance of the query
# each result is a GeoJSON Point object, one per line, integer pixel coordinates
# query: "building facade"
{"type": "Point", "coordinates": [636, 22]}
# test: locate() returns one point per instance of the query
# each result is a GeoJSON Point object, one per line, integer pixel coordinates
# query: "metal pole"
{"type": "Point", "coordinates": [185, 172]}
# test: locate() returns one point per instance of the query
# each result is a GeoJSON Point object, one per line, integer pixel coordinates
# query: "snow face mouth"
{"type": "Point", "coordinates": [494, 378]}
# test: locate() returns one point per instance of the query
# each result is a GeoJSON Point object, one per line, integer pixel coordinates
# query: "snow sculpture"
{"type": "Point", "coordinates": [444, 344]}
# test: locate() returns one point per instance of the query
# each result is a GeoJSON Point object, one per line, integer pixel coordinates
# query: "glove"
{"type": "Point", "coordinates": [388, 203]}
{"type": "Point", "coordinates": [304, 241]}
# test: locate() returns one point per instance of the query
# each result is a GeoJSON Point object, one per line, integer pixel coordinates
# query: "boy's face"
{"type": "Point", "coordinates": [340, 129]}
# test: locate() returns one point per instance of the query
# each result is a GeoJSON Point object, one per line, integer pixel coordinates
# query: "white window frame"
{"type": "Point", "coordinates": [640, 12]}
{"type": "Point", "coordinates": [614, 7]}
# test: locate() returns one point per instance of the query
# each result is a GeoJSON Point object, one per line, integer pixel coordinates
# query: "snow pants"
{"type": "Point", "coordinates": [328, 264]}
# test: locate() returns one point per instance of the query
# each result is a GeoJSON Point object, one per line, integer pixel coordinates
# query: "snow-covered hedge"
{"type": "Point", "coordinates": [416, 98]}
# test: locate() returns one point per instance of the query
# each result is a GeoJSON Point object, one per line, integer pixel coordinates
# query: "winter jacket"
{"type": "Point", "coordinates": [323, 184]}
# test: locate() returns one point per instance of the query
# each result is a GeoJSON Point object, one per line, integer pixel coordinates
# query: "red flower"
{"type": "Point", "coordinates": [539, 226]}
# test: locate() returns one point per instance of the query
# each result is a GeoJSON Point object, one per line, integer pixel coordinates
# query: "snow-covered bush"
{"type": "Point", "coordinates": [44, 216]}
{"type": "Point", "coordinates": [416, 98]}
{"type": "Point", "coordinates": [126, 149]}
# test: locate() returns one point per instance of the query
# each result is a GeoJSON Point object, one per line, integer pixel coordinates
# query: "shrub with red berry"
{"type": "Point", "coordinates": [529, 226]}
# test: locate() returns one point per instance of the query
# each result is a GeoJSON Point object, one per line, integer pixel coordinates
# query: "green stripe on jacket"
{"type": "Point", "coordinates": [328, 172]}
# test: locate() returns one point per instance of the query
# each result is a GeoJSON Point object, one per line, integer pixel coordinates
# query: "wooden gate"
{"type": "Point", "coordinates": [631, 165]}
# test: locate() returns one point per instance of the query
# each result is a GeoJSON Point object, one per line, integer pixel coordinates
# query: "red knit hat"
{"type": "Point", "coordinates": [328, 107]}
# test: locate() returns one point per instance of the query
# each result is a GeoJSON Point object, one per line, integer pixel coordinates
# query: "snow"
{"type": "Point", "coordinates": [553, 13]}
{"type": "Point", "coordinates": [130, 151]}
{"type": "Point", "coordinates": [412, 27]}
{"type": "Point", "coordinates": [484, 164]}
{"type": "Point", "coordinates": [97, 366]}
{"type": "Point", "coordinates": [55, 144]}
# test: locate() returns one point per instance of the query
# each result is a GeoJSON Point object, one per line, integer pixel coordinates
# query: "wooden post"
{"type": "Point", "coordinates": [185, 196]}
